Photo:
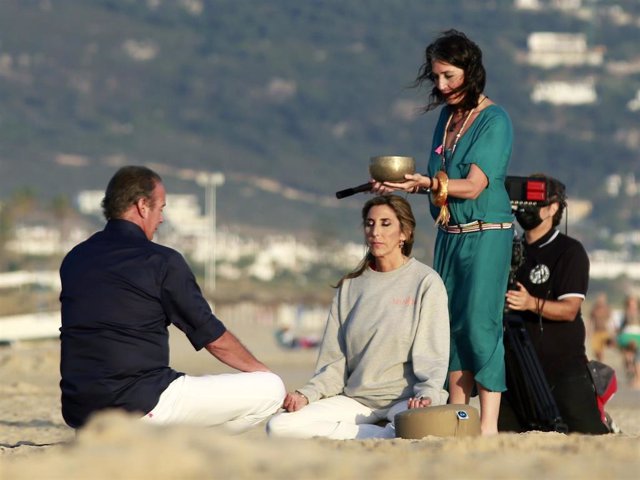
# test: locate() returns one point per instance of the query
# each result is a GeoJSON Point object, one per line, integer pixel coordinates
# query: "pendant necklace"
{"type": "Point", "coordinates": [458, 135]}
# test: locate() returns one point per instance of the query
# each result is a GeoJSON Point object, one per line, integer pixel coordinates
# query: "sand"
{"type": "Point", "coordinates": [35, 443]}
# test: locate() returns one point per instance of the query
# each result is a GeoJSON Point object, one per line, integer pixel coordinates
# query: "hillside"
{"type": "Point", "coordinates": [288, 99]}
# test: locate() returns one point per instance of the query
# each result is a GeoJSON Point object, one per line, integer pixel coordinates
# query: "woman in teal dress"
{"type": "Point", "coordinates": [466, 174]}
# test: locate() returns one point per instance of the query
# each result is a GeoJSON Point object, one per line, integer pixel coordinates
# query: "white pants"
{"type": "Point", "coordinates": [237, 401]}
{"type": "Point", "coordinates": [338, 418]}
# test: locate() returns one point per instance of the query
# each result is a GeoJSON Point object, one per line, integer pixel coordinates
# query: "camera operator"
{"type": "Point", "coordinates": [550, 287]}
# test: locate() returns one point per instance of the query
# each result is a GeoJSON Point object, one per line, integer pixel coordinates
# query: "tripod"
{"type": "Point", "coordinates": [528, 391]}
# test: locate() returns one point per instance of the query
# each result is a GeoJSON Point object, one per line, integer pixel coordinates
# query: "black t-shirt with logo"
{"type": "Point", "coordinates": [556, 267]}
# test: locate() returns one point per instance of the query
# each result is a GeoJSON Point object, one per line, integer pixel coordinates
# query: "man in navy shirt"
{"type": "Point", "coordinates": [120, 292]}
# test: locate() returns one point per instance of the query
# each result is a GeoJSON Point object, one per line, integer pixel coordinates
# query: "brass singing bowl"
{"type": "Point", "coordinates": [391, 168]}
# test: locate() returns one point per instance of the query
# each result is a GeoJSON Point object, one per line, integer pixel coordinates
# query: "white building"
{"type": "Point", "coordinates": [44, 240]}
{"type": "Point", "coordinates": [617, 184]}
{"type": "Point", "coordinates": [550, 4]}
{"type": "Point", "coordinates": [89, 201]}
{"type": "Point", "coordinates": [566, 4]}
{"type": "Point", "coordinates": [550, 49]}
{"type": "Point", "coordinates": [20, 278]}
{"type": "Point", "coordinates": [565, 93]}
{"type": "Point", "coordinates": [185, 216]}
{"type": "Point", "coordinates": [527, 5]}
{"type": "Point", "coordinates": [634, 103]}
{"type": "Point", "coordinates": [605, 264]}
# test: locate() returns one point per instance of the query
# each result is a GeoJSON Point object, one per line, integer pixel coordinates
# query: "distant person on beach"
{"type": "Point", "coordinates": [467, 167]}
{"type": "Point", "coordinates": [628, 340]}
{"type": "Point", "coordinates": [551, 284]}
{"type": "Point", "coordinates": [120, 292]}
{"type": "Point", "coordinates": [386, 342]}
{"type": "Point", "coordinates": [287, 339]}
{"type": "Point", "coordinates": [600, 328]}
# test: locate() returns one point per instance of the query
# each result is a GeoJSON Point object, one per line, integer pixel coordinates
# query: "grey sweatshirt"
{"type": "Point", "coordinates": [386, 339]}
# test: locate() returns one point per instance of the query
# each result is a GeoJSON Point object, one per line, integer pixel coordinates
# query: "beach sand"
{"type": "Point", "coordinates": [35, 443]}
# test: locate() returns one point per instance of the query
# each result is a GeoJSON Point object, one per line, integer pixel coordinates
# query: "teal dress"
{"type": "Point", "coordinates": [475, 266]}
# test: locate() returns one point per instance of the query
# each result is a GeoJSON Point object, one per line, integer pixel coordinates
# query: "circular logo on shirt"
{"type": "Point", "coordinates": [539, 274]}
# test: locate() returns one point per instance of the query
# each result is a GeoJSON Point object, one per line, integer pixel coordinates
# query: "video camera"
{"type": "Point", "coordinates": [523, 192]}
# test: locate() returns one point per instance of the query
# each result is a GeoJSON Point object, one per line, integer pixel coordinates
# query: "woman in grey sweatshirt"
{"type": "Point", "coordinates": [386, 343]}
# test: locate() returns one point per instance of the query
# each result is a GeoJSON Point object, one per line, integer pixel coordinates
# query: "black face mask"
{"type": "Point", "coordinates": [528, 218]}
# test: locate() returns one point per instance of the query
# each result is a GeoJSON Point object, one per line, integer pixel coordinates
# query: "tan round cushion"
{"type": "Point", "coordinates": [441, 421]}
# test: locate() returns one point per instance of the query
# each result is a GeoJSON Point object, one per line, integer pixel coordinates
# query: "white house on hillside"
{"type": "Point", "coordinates": [634, 103]}
{"type": "Point", "coordinates": [565, 93]}
{"type": "Point", "coordinates": [551, 49]}
{"type": "Point", "coordinates": [542, 4]}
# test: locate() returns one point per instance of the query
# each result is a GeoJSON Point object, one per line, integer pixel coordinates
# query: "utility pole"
{"type": "Point", "coordinates": [210, 181]}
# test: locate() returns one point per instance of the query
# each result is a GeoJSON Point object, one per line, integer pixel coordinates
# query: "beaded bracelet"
{"type": "Point", "coordinates": [420, 190]}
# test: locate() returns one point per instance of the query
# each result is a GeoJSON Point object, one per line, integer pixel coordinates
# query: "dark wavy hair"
{"type": "Point", "coordinates": [457, 49]}
{"type": "Point", "coordinates": [402, 209]}
{"type": "Point", "coordinates": [126, 187]}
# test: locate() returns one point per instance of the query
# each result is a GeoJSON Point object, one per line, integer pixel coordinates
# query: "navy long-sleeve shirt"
{"type": "Point", "coordinates": [120, 292]}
